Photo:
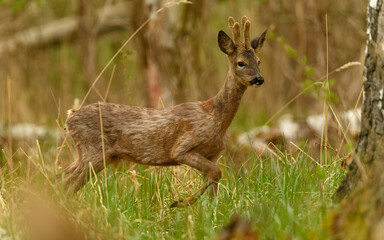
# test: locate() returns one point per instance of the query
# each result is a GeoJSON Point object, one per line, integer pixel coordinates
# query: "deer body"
{"type": "Point", "coordinates": [190, 133]}
{"type": "Point", "coordinates": [144, 135]}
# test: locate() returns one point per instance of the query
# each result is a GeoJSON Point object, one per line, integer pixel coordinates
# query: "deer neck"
{"type": "Point", "coordinates": [227, 101]}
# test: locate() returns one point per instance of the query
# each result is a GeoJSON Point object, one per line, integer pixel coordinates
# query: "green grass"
{"type": "Point", "coordinates": [286, 199]}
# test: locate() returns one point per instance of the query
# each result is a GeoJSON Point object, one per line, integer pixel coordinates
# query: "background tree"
{"type": "Point", "coordinates": [361, 215]}
{"type": "Point", "coordinates": [370, 142]}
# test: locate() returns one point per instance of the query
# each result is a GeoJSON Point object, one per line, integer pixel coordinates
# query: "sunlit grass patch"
{"type": "Point", "coordinates": [282, 199]}
{"type": "Point", "coordinates": [285, 197]}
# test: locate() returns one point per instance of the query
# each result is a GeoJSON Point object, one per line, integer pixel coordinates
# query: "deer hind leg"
{"type": "Point", "coordinates": [210, 171]}
{"type": "Point", "coordinates": [77, 174]}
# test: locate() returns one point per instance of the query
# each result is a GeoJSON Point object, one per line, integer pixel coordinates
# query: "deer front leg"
{"type": "Point", "coordinates": [209, 169]}
{"type": "Point", "coordinates": [214, 188]}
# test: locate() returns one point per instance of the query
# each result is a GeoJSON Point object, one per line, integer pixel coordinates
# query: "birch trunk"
{"type": "Point", "coordinates": [361, 213]}
{"type": "Point", "coordinates": [370, 143]}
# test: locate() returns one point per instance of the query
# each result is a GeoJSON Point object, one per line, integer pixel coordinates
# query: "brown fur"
{"type": "Point", "coordinates": [190, 133]}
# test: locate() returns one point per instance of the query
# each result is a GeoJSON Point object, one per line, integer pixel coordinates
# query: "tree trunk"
{"type": "Point", "coordinates": [169, 48]}
{"type": "Point", "coordinates": [361, 214]}
{"type": "Point", "coordinates": [87, 34]}
{"type": "Point", "coordinates": [371, 138]}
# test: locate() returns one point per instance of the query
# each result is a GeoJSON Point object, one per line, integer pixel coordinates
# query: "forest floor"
{"type": "Point", "coordinates": [284, 198]}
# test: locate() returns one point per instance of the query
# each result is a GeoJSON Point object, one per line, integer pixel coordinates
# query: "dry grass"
{"type": "Point", "coordinates": [285, 195]}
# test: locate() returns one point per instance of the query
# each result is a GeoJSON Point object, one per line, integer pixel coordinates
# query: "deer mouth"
{"type": "Point", "coordinates": [257, 82]}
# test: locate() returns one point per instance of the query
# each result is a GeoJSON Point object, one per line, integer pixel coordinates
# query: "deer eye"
{"type": "Point", "coordinates": [258, 63]}
{"type": "Point", "coordinates": [241, 64]}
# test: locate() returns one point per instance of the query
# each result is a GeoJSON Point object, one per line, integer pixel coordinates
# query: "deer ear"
{"type": "Point", "coordinates": [225, 43]}
{"type": "Point", "coordinates": [257, 43]}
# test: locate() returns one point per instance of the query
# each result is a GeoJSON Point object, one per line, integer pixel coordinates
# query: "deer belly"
{"type": "Point", "coordinates": [145, 150]}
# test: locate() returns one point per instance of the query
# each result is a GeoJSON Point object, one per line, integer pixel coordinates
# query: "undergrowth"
{"type": "Point", "coordinates": [284, 199]}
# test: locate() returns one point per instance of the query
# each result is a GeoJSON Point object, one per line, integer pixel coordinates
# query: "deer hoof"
{"type": "Point", "coordinates": [177, 204]}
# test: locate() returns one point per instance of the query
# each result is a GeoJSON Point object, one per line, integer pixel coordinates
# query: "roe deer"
{"type": "Point", "coordinates": [191, 133]}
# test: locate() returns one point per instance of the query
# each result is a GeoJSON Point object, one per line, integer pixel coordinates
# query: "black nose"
{"type": "Point", "coordinates": [257, 81]}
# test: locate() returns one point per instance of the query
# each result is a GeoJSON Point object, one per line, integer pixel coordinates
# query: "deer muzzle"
{"type": "Point", "coordinates": [257, 81]}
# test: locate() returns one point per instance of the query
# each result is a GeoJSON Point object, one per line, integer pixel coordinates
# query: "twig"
{"type": "Point", "coordinates": [339, 123]}
{"type": "Point", "coordinates": [10, 159]}
{"type": "Point", "coordinates": [109, 83]}
{"type": "Point", "coordinates": [349, 124]}
{"type": "Point", "coordinates": [324, 132]}
{"type": "Point", "coordinates": [102, 145]}
{"type": "Point", "coordinates": [318, 82]}
{"type": "Point", "coordinates": [302, 151]}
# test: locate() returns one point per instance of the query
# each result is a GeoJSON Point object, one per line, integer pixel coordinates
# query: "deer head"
{"type": "Point", "coordinates": [244, 64]}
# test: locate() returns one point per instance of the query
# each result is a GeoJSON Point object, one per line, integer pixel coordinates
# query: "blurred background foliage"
{"type": "Point", "coordinates": [51, 52]}
{"type": "Point", "coordinates": [175, 57]}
